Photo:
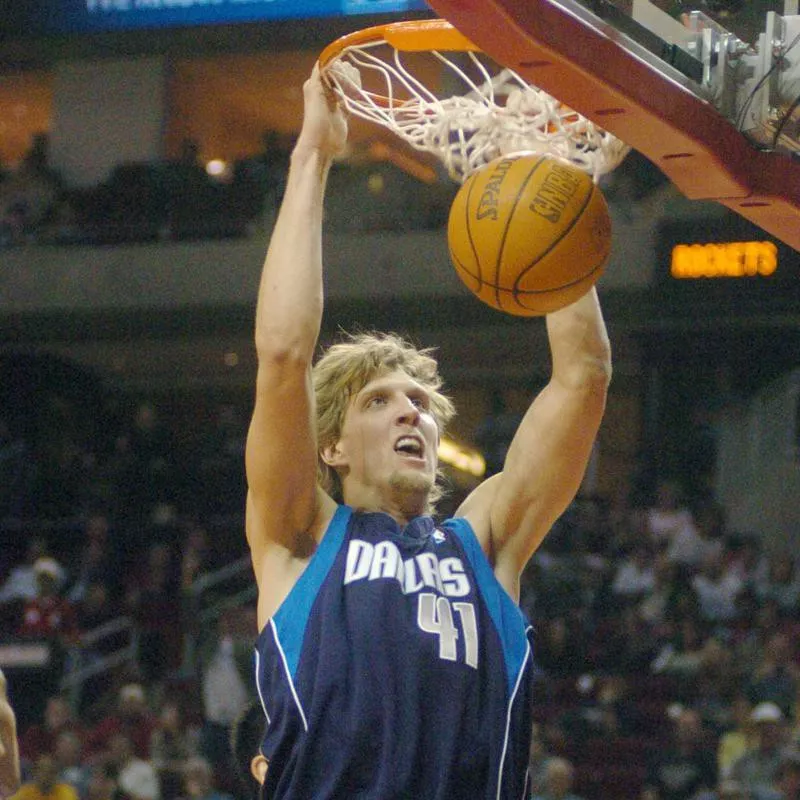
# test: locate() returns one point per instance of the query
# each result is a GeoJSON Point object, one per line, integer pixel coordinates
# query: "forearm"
{"type": "Point", "coordinates": [579, 344]}
{"type": "Point", "coordinates": [547, 458]}
{"type": "Point", "coordinates": [289, 306]}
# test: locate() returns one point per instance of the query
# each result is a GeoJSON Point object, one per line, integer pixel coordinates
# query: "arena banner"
{"type": "Point", "coordinates": [75, 16]}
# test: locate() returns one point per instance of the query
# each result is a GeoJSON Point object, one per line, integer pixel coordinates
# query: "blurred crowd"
{"type": "Point", "coordinates": [667, 646]}
{"type": "Point", "coordinates": [185, 198]}
{"type": "Point", "coordinates": [139, 748]}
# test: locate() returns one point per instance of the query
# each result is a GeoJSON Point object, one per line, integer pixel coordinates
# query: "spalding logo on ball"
{"type": "Point", "coordinates": [529, 234]}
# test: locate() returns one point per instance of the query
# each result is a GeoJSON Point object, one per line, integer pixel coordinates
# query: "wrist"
{"type": "Point", "coordinates": [309, 153]}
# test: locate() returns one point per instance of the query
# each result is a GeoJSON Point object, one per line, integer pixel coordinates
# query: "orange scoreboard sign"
{"type": "Point", "coordinates": [725, 260]}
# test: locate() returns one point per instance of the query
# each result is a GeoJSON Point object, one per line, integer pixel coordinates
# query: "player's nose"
{"type": "Point", "coordinates": [407, 412]}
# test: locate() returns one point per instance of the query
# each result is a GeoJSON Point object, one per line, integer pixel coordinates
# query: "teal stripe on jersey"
{"type": "Point", "coordinates": [291, 618]}
{"type": "Point", "coordinates": [508, 620]}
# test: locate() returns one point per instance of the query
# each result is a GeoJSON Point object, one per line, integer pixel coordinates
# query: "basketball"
{"type": "Point", "coordinates": [529, 234]}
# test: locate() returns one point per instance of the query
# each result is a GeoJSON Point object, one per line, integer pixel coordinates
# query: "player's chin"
{"type": "Point", "coordinates": [413, 480]}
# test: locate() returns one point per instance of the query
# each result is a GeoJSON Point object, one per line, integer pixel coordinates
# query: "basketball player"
{"type": "Point", "coordinates": [392, 660]}
{"type": "Point", "coordinates": [9, 746]}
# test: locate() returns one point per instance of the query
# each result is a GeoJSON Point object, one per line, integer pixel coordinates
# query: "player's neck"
{"type": "Point", "coordinates": [402, 506]}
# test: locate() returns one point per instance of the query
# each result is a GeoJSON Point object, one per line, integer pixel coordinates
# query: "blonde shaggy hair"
{"type": "Point", "coordinates": [347, 367]}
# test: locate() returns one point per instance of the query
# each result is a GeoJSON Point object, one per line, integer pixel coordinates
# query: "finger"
{"type": "Point", "coordinates": [328, 90]}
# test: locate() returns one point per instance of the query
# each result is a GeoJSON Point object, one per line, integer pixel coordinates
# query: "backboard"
{"type": "Point", "coordinates": [720, 116]}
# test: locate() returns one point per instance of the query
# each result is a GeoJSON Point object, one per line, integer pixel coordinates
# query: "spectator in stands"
{"type": "Point", "coordinates": [50, 619]}
{"type": "Point", "coordinates": [788, 780]}
{"type": "Point", "coordinates": [726, 790]}
{"type": "Point", "coordinates": [198, 781]}
{"type": "Point", "coordinates": [635, 574]}
{"type": "Point", "coordinates": [755, 624]}
{"type": "Point", "coordinates": [21, 583]}
{"type": "Point", "coordinates": [172, 744]}
{"type": "Point", "coordinates": [196, 562]}
{"type": "Point", "coordinates": [538, 760]}
{"type": "Point", "coordinates": [717, 589]}
{"type": "Point", "coordinates": [10, 775]}
{"type": "Point", "coordinates": [711, 522]}
{"type": "Point", "coordinates": [132, 717]}
{"type": "Point", "coordinates": [777, 678]}
{"type": "Point", "coordinates": [97, 607]}
{"type": "Point", "coordinates": [70, 764]}
{"type": "Point", "coordinates": [103, 783]}
{"type": "Point", "coordinates": [654, 606]}
{"type": "Point", "coordinates": [226, 667]}
{"type": "Point", "coordinates": [677, 601]}
{"type": "Point", "coordinates": [757, 770]}
{"type": "Point", "coordinates": [605, 712]}
{"type": "Point", "coordinates": [152, 599]}
{"type": "Point", "coordinates": [620, 715]}
{"type": "Point", "coordinates": [781, 584]}
{"type": "Point", "coordinates": [196, 555]}
{"type": "Point", "coordinates": [683, 653]}
{"type": "Point", "coordinates": [622, 643]}
{"type": "Point", "coordinates": [748, 559]}
{"type": "Point", "coordinates": [45, 784]}
{"type": "Point", "coordinates": [689, 547]}
{"type": "Point", "coordinates": [562, 646]}
{"type": "Point", "coordinates": [57, 718]}
{"type": "Point", "coordinates": [136, 777]}
{"type": "Point", "coordinates": [95, 561]}
{"type": "Point", "coordinates": [627, 522]}
{"type": "Point", "coordinates": [717, 684]}
{"type": "Point", "coordinates": [687, 762]}
{"type": "Point", "coordinates": [738, 739]}
{"type": "Point", "coordinates": [28, 194]}
{"type": "Point", "coordinates": [668, 517]}
{"type": "Point", "coordinates": [559, 777]}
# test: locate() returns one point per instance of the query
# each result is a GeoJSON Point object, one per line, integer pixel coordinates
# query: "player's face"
{"type": "Point", "coordinates": [389, 437]}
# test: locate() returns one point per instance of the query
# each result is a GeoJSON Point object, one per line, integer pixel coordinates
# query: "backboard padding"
{"type": "Point", "coordinates": [600, 72]}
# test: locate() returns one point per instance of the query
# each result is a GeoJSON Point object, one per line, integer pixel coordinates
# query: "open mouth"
{"type": "Point", "coordinates": [410, 446]}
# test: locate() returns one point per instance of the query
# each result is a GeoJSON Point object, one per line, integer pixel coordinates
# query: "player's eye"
{"type": "Point", "coordinates": [420, 401]}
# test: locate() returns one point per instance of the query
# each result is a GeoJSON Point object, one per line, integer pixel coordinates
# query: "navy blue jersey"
{"type": "Point", "coordinates": [397, 667]}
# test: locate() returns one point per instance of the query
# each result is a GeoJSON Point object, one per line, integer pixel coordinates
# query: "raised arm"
{"type": "Point", "coordinates": [281, 448]}
{"type": "Point", "coordinates": [9, 747]}
{"type": "Point", "coordinates": [513, 511]}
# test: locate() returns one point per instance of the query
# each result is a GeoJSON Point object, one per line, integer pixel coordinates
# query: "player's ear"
{"type": "Point", "coordinates": [332, 455]}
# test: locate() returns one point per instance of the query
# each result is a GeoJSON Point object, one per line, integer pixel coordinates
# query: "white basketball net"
{"type": "Point", "coordinates": [497, 114]}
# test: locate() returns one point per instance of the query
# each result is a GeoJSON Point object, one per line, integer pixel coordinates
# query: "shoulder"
{"type": "Point", "coordinates": [476, 510]}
